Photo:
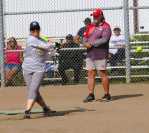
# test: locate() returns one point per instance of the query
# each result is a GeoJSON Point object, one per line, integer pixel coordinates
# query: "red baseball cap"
{"type": "Point", "coordinates": [97, 13]}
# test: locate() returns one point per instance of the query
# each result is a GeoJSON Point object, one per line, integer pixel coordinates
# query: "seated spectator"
{"type": "Point", "coordinates": [117, 47]}
{"type": "Point", "coordinates": [13, 59]}
{"type": "Point", "coordinates": [70, 59]}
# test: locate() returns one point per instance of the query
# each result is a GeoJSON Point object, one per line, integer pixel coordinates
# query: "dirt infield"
{"type": "Point", "coordinates": [127, 113]}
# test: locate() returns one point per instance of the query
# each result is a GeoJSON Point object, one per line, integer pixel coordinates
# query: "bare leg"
{"type": "Point", "coordinates": [39, 100]}
{"type": "Point", "coordinates": [30, 104]}
{"type": "Point", "coordinates": [9, 73]}
{"type": "Point", "coordinates": [105, 80]}
{"type": "Point", "coordinates": [91, 81]}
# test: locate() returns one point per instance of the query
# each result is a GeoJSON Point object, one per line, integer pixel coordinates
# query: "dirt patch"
{"type": "Point", "coordinates": [126, 113]}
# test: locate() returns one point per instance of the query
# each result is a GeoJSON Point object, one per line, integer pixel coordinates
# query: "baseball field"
{"type": "Point", "coordinates": [126, 113]}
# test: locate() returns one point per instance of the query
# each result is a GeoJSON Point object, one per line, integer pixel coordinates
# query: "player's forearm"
{"type": "Point", "coordinates": [101, 41]}
{"type": "Point", "coordinates": [104, 39]}
{"type": "Point", "coordinates": [44, 47]}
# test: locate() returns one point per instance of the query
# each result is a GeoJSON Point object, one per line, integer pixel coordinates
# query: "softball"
{"type": "Point", "coordinates": [139, 49]}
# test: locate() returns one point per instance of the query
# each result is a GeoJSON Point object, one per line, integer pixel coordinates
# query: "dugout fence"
{"type": "Point", "coordinates": [59, 18]}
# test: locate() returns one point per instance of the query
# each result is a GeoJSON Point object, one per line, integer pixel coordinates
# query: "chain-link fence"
{"type": "Point", "coordinates": [129, 45]}
{"type": "Point", "coordinates": [139, 54]}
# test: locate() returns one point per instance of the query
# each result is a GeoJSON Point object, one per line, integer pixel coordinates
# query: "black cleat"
{"type": "Point", "coordinates": [106, 97]}
{"type": "Point", "coordinates": [89, 98]}
{"type": "Point", "coordinates": [47, 111]}
{"type": "Point", "coordinates": [27, 114]}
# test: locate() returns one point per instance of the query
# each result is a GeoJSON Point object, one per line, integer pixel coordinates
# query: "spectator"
{"type": "Point", "coordinates": [69, 59]}
{"type": "Point", "coordinates": [79, 36]}
{"type": "Point", "coordinates": [117, 47]}
{"type": "Point", "coordinates": [96, 40]}
{"type": "Point", "coordinates": [13, 59]}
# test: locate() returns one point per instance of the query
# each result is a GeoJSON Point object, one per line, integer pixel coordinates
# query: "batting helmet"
{"type": "Point", "coordinates": [34, 26]}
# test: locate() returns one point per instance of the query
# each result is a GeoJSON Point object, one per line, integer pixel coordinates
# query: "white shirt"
{"type": "Point", "coordinates": [115, 43]}
{"type": "Point", "coordinates": [35, 54]}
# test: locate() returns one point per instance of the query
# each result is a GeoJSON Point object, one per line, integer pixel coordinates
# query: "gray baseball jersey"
{"type": "Point", "coordinates": [35, 54]}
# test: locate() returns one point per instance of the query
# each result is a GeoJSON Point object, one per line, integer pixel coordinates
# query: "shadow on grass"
{"type": "Point", "coordinates": [121, 97]}
{"type": "Point", "coordinates": [38, 115]}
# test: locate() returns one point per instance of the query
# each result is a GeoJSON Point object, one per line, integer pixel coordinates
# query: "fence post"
{"type": "Point", "coordinates": [2, 44]}
{"type": "Point", "coordinates": [126, 30]}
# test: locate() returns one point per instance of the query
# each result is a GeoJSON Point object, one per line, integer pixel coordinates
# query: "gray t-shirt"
{"type": "Point", "coordinates": [35, 54]}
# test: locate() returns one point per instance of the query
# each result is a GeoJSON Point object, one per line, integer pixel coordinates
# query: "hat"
{"type": "Point", "coordinates": [97, 13]}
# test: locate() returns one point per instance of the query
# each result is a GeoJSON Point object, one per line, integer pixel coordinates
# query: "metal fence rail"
{"type": "Point", "coordinates": [2, 44]}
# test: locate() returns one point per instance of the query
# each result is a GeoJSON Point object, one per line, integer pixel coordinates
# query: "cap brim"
{"type": "Point", "coordinates": [94, 16]}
